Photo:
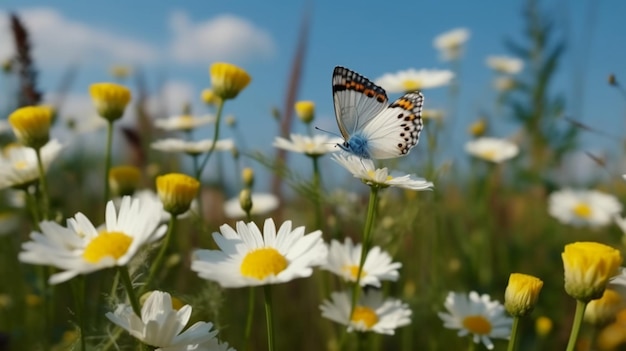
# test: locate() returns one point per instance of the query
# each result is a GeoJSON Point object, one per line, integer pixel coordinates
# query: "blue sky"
{"type": "Point", "coordinates": [168, 41]}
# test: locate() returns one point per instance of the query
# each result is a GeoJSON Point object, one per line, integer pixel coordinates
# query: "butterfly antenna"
{"type": "Point", "coordinates": [329, 132]}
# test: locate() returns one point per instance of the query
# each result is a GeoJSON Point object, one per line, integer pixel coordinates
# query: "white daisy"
{"type": "Point", "coordinates": [160, 325]}
{"type": "Point", "coordinates": [450, 43]}
{"type": "Point", "coordinates": [478, 315]}
{"type": "Point", "coordinates": [372, 312]}
{"type": "Point", "coordinates": [583, 207]}
{"type": "Point", "coordinates": [183, 122]}
{"type": "Point", "coordinates": [412, 79]}
{"type": "Point", "coordinates": [80, 248]}
{"type": "Point", "coordinates": [248, 257]}
{"type": "Point", "coordinates": [492, 149]}
{"type": "Point", "coordinates": [505, 64]}
{"type": "Point", "coordinates": [344, 259]}
{"type": "Point", "coordinates": [18, 164]}
{"type": "Point", "coordinates": [364, 169]}
{"type": "Point", "coordinates": [192, 147]}
{"type": "Point", "coordinates": [315, 145]}
{"type": "Point", "coordinates": [261, 204]}
{"type": "Point", "coordinates": [148, 195]}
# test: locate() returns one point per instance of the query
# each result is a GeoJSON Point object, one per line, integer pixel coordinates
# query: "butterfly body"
{"type": "Point", "coordinates": [371, 128]}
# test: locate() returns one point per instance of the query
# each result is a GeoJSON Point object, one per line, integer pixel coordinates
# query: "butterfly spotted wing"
{"type": "Point", "coordinates": [370, 128]}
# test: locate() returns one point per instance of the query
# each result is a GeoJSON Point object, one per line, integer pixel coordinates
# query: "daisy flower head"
{"type": "Point", "coordinates": [262, 204]}
{"type": "Point", "coordinates": [18, 164]}
{"type": "Point", "coordinates": [183, 122]}
{"type": "Point", "coordinates": [583, 207]}
{"type": "Point", "coordinates": [365, 170]}
{"type": "Point", "coordinates": [588, 267]}
{"type": "Point", "coordinates": [315, 145]}
{"type": "Point", "coordinates": [228, 80]}
{"type": "Point", "coordinates": [160, 325]}
{"type": "Point", "coordinates": [372, 313]}
{"type": "Point", "coordinates": [192, 147]}
{"type": "Point", "coordinates": [412, 79]}
{"type": "Point", "coordinates": [81, 248]}
{"type": "Point", "coordinates": [247, 257]}
{"type": "Point", "coordinates": [305, 110]}
{"type": "Point", "coordinates": [477, 315]}
{"type": "Point", "coordinates": [505, 64]}
{"type": "Point", "coordinates": [344, 259]}
{"type": "Point", "coordinates": [110, 99]}
{"type": "Point", "coordinates": [492, 149]}
{"type": "Point", "coordinates": [31, 125]}
{"type": "Point", "coordinates": [450, 43]}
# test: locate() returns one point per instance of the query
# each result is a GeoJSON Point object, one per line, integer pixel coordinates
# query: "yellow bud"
{"type": "Point", "coordinates": [305, 111]}
{"type": "Point", "coordinates": [478, 128]}
{"type": "Point", "coordinates": [228, 80]}
{"type": "Point", "coordinates": [604, 309]}
{"type": "Point", "coordinates": [177, 191]}
{"type": "Point", "coordinates": [245, 200]}
{"type": "Point", "coordinates": [209, 97]}
{"type": "Point", "coordinates": [124, 180]}
{"type": "Point", "coordinates": [588, 267]}
{"type": "Point", "coordinates": [110, 99]}
{"type": "Point", "coordinates": [543, 326]}
{"type": "Point", "coordinates": [31, 125]}
{"type": "Point", "coordinates": [521, 294]}
{"type": "Point", "coordinates": [247, 175]}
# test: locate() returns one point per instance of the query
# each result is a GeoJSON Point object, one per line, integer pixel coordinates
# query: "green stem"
{"type": "Point", "coordinates": [197, 172]}
{"type": "Point", "coordinates": [43, 184]}
{"type": "Point", "coordinates": [317, 184]}
{"type": "Point", "coordinates": [269, 318]}
{"type": "Point", "coordinates": [78, 289]}
{"type": "Point", "coordinates": [250, 316]}
{"type": "Point", "coordinates": [128, 285]}
{"type": "Point", "coordinates": [107, 160]}
{"type": "Point", "coordinates": [472, 344]}
{"type": "Point", "coordinates": [31, 202]}
{"type": "Point", "coordinates": [514, 333]}
{"type": "Point", "coordinates": [158, 262]}
{"type": "Point", "coordinates": [578, 319]}
{"type": "Point", "coordinates": [216, 133]}
{"type": "Point", "coordinates": [369, 223]}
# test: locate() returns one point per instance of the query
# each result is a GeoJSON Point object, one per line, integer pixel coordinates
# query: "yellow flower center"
{"type": "Point", "coordinates": [411, 85]}
{"type": "Point", "coordinates": [107, 244]}
{"type": "Point", "coordinates": [488, 154]}
{"type": "Point", "coordinates": [582, 210]}
{"type": "Point", "coordinates": [372, 175]}
{"type": "Point", "coordinates": [20, 165]}
{"type": "Point", "coordinates": [364, 315]}
{"type": "Point", "coordinates": [477, 325]}
{"type": "Point", "coordinates": [353, 270]}
{"type": "Point", "coordinates": [261, 263]}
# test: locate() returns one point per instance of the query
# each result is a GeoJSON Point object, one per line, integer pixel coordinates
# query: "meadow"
{"type": "Point", "coordinates": [139, 245]}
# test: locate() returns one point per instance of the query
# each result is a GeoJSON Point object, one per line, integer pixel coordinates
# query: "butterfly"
{"type": "Point", "coordinates": [370, 128]}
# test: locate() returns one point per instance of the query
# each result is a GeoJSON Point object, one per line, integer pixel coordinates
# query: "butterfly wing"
{"type": "Point", "coordinates": [357, 100]}
{"type": "Point", "coordinates": [396, 129]}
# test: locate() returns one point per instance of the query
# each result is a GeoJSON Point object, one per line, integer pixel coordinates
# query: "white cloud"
{"type": "Point", "coordinates": [225, 37]}
{"type": "Point", "coordinates": [60, 40]}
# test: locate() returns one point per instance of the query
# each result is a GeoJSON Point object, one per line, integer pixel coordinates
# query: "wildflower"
{"type": "Point", "coordinates": [364, 169]}
{"type": "Point", "coordinates": [604, 309]}
{"type": "Point", "coordinates": [80, 248]}
{"type": "Point", "coordinates": [110, 99]}
{"type": "Point", "coordinates": [344, 259]}
{"type": "Point", "coordinates": [543, 326]}
{"type": "Point", "coordinates": [209, 97]}
{"type": "Point", "coordinates": [492, 149]}
{"type": "Point", "coordinates": [505, 64]}
{"type": "Point", "coordinates": [478, 315]}
{"type": "Point", "coordinates": [176, 191]}
{"type": "Point", "coordinates": [315, 145]}
{"type": "Point", "coordinates": [183, 122]}
{"type": "Point", "coordinates": [248, 257]}
{"type": "Point", "coordinates": [123, 180]}
{"type": "Point", "coordinates": [228, 80]}
{"type": "Point", "coordinates": [192, 147]}
{"type": "Point", "coordinates": [18, 164]}
{"type": "Point", "coordinates": [261, 204]}
{"type": "Point", "coordinates": [588, 267]}
{"type": "Point", "coordinates": [372, 312]}
{"type": "Point", "coordinates": [450, 43]}
{"type": "Point", "coordinates": [412, 79]}
{"type": "Point", "coordinates": [521, 294]}
{"type": "Point", "coordinates": [247, 177]}
{"type": "Point", "coordinates": [583, 207]}
{"type": "Point", "coordinates": [31, 125]}
{"type": "Point", "coordinates": [478, 128]}
{"type": "Point", "coordinates": [305, 111]}
{"type": "Point", "coordinates": [148, 195]}
{"type": "Point", "coordinates": [160, 325]}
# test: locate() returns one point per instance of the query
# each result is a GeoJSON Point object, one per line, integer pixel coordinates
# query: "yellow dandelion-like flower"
{"type": "Point", "coordinates": [588, 267]}
{"type": "Point", "coordinates": [521, 294]}
{"type": "Point", "coordinates": [605, 308]}
{"type": "Point", "coordinates": [124, 180]}
{"type": "Point", "coordinates": [228, 80]}
{"type": "Point", "coordinates": [177, 191]}
{"type": "Point", "coordinates": [110, 99]}
{"type": "Point", "coordinates": [305, 111]}
{"type": "Point", "coordinates": [31, 125]}
{"type": "Point", "coordinates": [209, 97]}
